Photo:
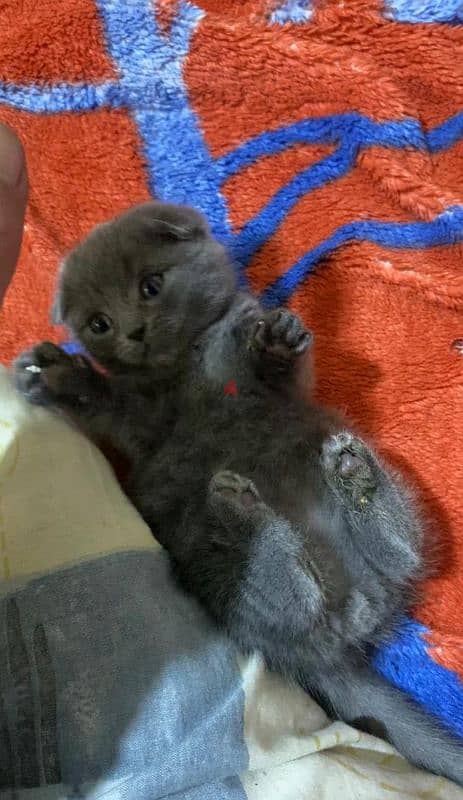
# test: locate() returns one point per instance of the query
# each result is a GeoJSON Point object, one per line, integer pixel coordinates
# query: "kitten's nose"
{"type": "Point", "coordinates": [137, 335]}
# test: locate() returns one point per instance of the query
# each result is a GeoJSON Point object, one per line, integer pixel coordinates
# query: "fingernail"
{"type": "Point", "coordinates": [11, 157]}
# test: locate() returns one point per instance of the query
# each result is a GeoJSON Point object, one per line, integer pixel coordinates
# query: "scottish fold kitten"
{"type": "Point", "coordinates": [281, 521]}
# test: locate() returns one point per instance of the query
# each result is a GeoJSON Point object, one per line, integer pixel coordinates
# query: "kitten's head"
{"type": "Point", "coordinates": [139, 290]}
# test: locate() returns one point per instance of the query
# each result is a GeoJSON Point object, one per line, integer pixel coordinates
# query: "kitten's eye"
{"type": "Point", "coordinates": [150, 286]}
{"type": "Point", "coordinates": [100, 323]}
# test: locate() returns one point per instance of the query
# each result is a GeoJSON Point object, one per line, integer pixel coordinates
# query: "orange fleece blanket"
{"type": "Point", "coordinates": [324, 141]}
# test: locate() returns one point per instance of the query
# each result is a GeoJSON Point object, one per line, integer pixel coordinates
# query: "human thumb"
{"type": "Point", "coordinates": [13, 199]}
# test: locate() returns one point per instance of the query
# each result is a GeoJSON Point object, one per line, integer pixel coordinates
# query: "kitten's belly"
{"type": "Point", "coordinates": [269, 443]}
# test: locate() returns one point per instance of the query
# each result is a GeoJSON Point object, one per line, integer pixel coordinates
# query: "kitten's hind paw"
{"type": "Point", "coordinates": [350, 467]}
{"type": "Point", "coordinates": [236, 503]}
{"type": "Point", "coordinates": [234, 489]}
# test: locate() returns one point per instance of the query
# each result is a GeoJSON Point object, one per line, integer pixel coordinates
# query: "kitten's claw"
{"type": "Point", "coordinates": [281, 335]}
{"type": "Point", "coordinates": [350, 467]}
{"type": "Point", "coordinates": [42, 372]}
{"type": "Point", "coordinates": [234, 489]}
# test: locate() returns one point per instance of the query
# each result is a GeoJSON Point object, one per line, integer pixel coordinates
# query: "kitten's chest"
{"type": "Point", "coordinates": [213, 410]}
{"type": "Point", "coordinates": [211, 373]}
{"type": "Point", "coordinates": [216, 394]}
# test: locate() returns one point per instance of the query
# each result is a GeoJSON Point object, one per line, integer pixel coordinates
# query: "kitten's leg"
{"type": "Point", "coordinates": [263, 580]}
{"type": "Point", "coordinates": [321, 660]}
{"type": "Point", "coordinates": [277, 342]}
{"type": "Point", "coordinates": [379, 512]}
{"type": "Point", "coordinates": [277, 576]}
{"type": "Point", "coordinates": [47, 376]}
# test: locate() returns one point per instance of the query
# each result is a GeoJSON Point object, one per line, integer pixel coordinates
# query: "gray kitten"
{"type": "Point", "coordinates": [282, 522]}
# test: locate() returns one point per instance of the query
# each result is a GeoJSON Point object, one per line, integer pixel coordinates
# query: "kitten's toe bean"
{"type": "Point", "coordinates": [349, 463]}
{"type": "Point", "coordinates": [349, 466]}
{"type": "Point", "coordinates": [334, 447]}
{"type": "Point", "coordinates": [234, 488]}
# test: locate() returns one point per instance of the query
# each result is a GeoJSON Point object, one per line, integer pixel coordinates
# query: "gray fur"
{"type": "Point", "coordinates": [282, 522]}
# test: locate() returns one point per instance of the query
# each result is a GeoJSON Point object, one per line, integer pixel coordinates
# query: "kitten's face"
{"type": "Point", "coordinates": [140, 289]}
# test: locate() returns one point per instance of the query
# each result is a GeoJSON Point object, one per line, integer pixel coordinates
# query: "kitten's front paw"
{"type": "Point", "coordinates": [45, 373]}
{"type": "Point", "coordinates": [281, 335]}
{"type": "Point", "coordinates": [350, 467]}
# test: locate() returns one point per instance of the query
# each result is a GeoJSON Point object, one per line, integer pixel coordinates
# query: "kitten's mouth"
{"type": "Point", "coordinates": [140, 352]}
{"type": "Point", "coordinates": [155, 359]}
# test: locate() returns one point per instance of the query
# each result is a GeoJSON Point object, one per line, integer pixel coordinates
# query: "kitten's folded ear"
{"type": "Point", "coordinates": [174, 222]}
